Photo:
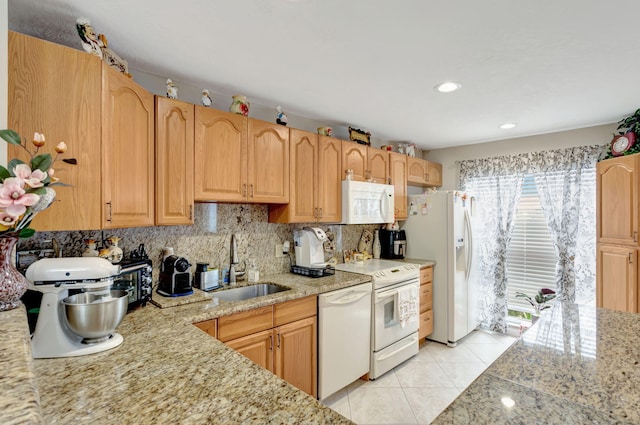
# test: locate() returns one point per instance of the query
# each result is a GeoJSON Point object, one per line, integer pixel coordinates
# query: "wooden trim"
{"type": "Point", "coordinates": [291, 311]}
{"type": "Point", "coordinates": [245, 323]}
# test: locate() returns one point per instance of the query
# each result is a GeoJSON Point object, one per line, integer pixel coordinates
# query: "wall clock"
{"type": "Point", "coordinates": [622, 143]}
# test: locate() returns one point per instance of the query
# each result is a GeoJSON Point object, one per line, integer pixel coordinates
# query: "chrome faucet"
{"type": "Point", "coordinates": [234, 259]}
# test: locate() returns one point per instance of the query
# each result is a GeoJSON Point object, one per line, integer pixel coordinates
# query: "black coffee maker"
{"type": "Point", "coordinates": [393, 244]}
{"type": "Point", "coordinates": [175, 279]}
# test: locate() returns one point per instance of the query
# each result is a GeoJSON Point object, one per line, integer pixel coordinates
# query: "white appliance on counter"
{"type": "Point", "coordinates": [443, 230]}
{"type": "Point", "coordinates": [344, 323]}
{"type": "Point", "coordinates": [309, 247]}
{"type": "Point", "coordinates": [394, 311]}
{"type": "Point", "coordinates": [367, 203]}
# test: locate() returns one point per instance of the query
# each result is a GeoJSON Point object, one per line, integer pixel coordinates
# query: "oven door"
{"type": "Point", "coordinates": [387, 328]}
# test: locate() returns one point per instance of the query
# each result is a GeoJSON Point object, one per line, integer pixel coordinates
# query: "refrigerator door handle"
{"type": "Point", "coordinates": [469, 245]}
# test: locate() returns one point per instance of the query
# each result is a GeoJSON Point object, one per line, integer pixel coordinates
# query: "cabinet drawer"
{"type": "Point", "coordinates": [426, 274]}
{"type": "Point", "coordinates": [245, 323]}
{"type": "Point", "coordinates": [426, 324]}
{"type": "Point", "coordinates": [209, 326]}
{"type": "Point", "coordinates": [426, 296]}
{"type": "Point", "coordinates": [291, 311]}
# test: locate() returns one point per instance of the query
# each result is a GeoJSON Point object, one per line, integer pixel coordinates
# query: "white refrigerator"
{"type": "Point", "coordinates": [440, 227]}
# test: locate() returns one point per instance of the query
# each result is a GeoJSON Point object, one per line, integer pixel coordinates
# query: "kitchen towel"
{"type": "Point", "coordinates": [407, 304]}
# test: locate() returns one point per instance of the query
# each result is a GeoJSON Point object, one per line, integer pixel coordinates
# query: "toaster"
{"type": "Point", "coordinates": [175, 277]}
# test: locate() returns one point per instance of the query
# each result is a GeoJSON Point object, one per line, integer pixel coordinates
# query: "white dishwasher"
{"type": "Point", "coordinates": [344, 332]}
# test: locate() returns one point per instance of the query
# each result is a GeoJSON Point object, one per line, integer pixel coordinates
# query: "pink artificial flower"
{"type": "Point", "coordinates": [51, 173]}
{"type": "Point", "coordinates": [7, 220]}
{"type": "Point", "coordinates": [31, 178]}
{"type": "Point", "coordinates": [13, 197]}
{"type": "Point", "coordinates": [38, 139]}
{"type": "Point", "coordinates": [61, 147]}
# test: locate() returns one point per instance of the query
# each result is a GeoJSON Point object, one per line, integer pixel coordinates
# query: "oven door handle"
{"type": "Point", "coordinates": [394, 352]}
{"type": "Point", "coordinates": [380, 297]}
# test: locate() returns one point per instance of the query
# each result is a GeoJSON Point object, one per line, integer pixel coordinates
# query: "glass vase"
{"type": "Point", "coordinates": [12, 283]}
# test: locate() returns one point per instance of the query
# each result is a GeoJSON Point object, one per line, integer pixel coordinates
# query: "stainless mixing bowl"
{"type": "Point", "coordinates": [93, 316]}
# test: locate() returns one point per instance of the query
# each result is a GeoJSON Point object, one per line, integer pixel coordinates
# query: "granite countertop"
{"type": "Point", "coordinates": [576, 365]}
{"type": "Point", "coordinates": [166, 371]}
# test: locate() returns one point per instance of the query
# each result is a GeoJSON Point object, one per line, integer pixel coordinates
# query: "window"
{"type": "Point", "coordinates": [531, 256]}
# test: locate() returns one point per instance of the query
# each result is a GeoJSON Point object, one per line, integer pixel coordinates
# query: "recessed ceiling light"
{"type": "Point", "coordinates": [447, 87]}
{"type": "Point", "coordinates": [507, 125]}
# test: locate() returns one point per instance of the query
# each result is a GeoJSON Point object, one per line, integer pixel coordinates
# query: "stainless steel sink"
{"type": "Point", "coordinates": [248, 292]}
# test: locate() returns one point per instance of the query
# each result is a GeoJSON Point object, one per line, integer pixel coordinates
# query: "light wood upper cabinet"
{"type": "Point", "coordinates": [617, 200]}
{"type": "Point", "coordinates": [366, 162]}
{"type": "Point", "coordinates": [398, 178]}
{"type": "Point", "coordinates": [239, 159]}
{"type": "Point", "coordinates": [416, 170]}
{"type": "Point", "coordinates": [174, 161]}
{"type": "Point", "coordinates": [378, 161]}
{"type": "Point", "coordinates": [423, 173]}
{"type": "Point", "coordinates": [354, 157]}
{"type": "Point", "coordinates": [434, 174]}
{"type": "Point", "coordinates": [220, 172]}
{"type": "Point", "coordinates": [329, 188]}
{"type": "Point", "coordinates": [56, 90]}
{"type": "Point", "coordinates": [616, 278]}
{"type": "Point", "coordinates": [268, 167]}
{"type": "Point", "coordinates": [315, 191]}
{"type": "Point", "coordinates": [127, 152]}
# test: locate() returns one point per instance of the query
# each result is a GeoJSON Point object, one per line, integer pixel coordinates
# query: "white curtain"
{"type": "Point", "coordinates": [566, 187]}
{"type": "Point", "coordinates": [569, 208]}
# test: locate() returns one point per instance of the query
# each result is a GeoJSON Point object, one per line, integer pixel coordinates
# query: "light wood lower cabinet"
{"type": "Point", "coordinates": [281, 338]}
{"type": "Point", "coordinates": [426, 302]}
{"type": "Point", "coordinates": [209, 326]}
{"type": "Point", "coordinates": [617, 278]}
{"type": "Point", "coordinates": [398, 178]}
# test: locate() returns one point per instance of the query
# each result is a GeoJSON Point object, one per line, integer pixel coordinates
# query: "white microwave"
{"type": "Point", "coordinates": [367, 203]}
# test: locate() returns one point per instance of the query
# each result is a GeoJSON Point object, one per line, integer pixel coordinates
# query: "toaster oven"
{"type": "Point", "coordinates": [135, 278]}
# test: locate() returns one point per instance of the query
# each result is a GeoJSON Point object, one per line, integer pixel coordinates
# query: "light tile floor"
{"type": "Point", "coordinates": [416, 391]}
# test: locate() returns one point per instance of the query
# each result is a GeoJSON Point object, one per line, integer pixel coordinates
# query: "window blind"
{"type": "Point", "coordinates": [531, 256]}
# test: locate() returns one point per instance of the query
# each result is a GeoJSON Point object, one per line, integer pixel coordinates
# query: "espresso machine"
{"type": "Point", "coordinates": [309, 247]}
{"type": "Point", "coordinates": [78, 312]}
{"type": "Point", "coordinates": [175, 277]}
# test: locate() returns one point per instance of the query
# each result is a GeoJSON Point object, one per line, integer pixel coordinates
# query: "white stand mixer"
{"type": "Point", "coordinates": [53, 336]}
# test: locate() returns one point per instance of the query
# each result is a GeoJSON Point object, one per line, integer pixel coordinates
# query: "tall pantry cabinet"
{"type": "Point", "coordinates": [617, 214]}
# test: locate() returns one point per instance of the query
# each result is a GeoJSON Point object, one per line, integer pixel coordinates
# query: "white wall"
{"type": "Point", "coordinates": [4, 52]}
{"type": "Point", "coordinates": [598, 135]}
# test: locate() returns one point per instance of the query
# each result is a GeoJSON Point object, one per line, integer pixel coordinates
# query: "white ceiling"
{"type": "Point", "coordinates": [546, 65]}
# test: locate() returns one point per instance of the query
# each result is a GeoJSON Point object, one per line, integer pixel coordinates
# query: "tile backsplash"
{"type": "Point", "coordinates": [208, 239]}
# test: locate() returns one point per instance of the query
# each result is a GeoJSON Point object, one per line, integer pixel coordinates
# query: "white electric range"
{"type": "Point", "coordinates": [394, 311]}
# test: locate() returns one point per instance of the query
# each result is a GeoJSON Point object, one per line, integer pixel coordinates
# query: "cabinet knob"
{"type": "Point", "coordinates": [320, 213]}
{"type": "Point", "coordinates": [251, 190]}
{"type": "Point", "coordinates": [191, 212]}
{"type": "Point", "coordinates": [244, 190]}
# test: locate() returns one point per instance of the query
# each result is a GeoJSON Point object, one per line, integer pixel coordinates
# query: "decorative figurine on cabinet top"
{"type": "Point", "coordinates": [206, 99]}
{"type": "Point", "coordinates": [172, 89]}
{"type": "Point", "coordinates": [281, 118]}
{"type": "Point", "coordinates": [240, 105]}
{"type": "Point", "coordinates": [325, 131]}
{"type": "Point", "coordinates": [97, 44]}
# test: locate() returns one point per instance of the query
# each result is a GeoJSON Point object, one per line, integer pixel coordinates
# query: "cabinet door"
{"type": "Point", "coordinates": [296, 354]}
{"type": "Point", "coordinates": [55, 90]}
{"type": "Point", "coordinates": [174, 162]}
{"type": "Point", "coordinates": [209, 326]}
{"type": "Point", "coordinates": [398, 176]}
{"type": "Point", "coordinates": [220, 156]}
{"type": "Point", "coordinates": [256, 347]}
{"type": "Point", "coordinates": [378, 161]}
{"type": "Point", "coordinates": [616, 278]}
{"type": "Point", "coordinates": [127, 152]}
{"type": "Point", "coordinates": [304, 171]}
{"type": "Point", "coordinates": [268, 166]}
{"type": "Point", "coordinates": [425, 328]}
{"type": "Point", "coordinates": [329, 187]}
{"type": "Point", "coordinates": [617, 200]}
{"type": "Point", "coordinates": [416, 171]}
{"type": "Point", "coordinates": [354, 157]}
{"type": "Point", "coordinates": [434, 174]}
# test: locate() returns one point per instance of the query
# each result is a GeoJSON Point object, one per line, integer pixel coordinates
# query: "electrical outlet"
{"type": "Point", "coordinates": [279, 253]}
{"type": "Point", "coordinates": [285, 247]}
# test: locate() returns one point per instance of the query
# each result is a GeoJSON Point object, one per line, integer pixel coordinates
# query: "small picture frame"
{"type": "Point", "coordinates": [359, 136]}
